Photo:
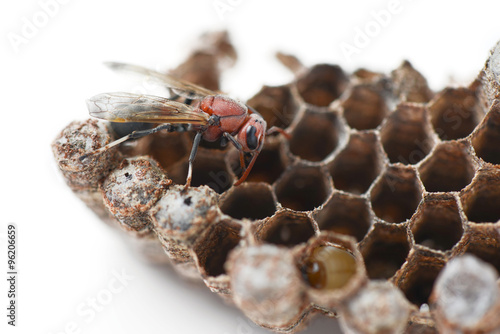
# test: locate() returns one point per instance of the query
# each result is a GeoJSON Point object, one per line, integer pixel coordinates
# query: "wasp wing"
{"type": "Point", "coordinates": [127, 107]}
{"type": "Point", "coordinates": [180, 87]}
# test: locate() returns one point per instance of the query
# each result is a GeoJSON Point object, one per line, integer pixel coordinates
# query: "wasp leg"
{"type": "Point", "coordinates": [238, 147]}
{"type": "Point", "coordinates": [132, 135]}
{"type": "Point", "coordinates": [249, 168]}
{"type": "Point", "coordinates": [192, 155]}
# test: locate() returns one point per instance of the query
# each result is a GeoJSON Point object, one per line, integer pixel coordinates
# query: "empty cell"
{"type": "Point", "coordinates": [396, 195]}
{"type": "Point", "coordinates": [249, 200]}
{"type": "Point", "coordinates": [267, 168]}
{"type": "Point", "coordinates": [486, 138]}
{"type": "Point", "coordinates": [449, 168]}
{"type": "Point", "coordinates": [316, 136]}
{"type": "Point", "coordinates": [384, 250]}
{"type": "Point", "coordinates": [167, 148]}
{"type": "Point", "coordinates": [287, 229]}
{"type": "Point", "coordinates": [406, 136]}
{"type": "Point", "coordinates": [455, 112]}
{"type": "Point", "coordinates": [212, 249]}
{"type": "Point", "coordinates": [358, 164]}
{"type": "Point", "coordinates": [417, 277]}
{"type": "Point", "coordinates": [303, 188]}
{"type": "Point", "coordinates": [276, 105]}
{"type": "Point", "coordinates": [345, 214]}
{"type": "Point", "coordinates": [209, 169]}
{"type": "Point", "coordinates": [322, 84]}
{"type": "Point", "coordinates": [484, 242]}
{"type": "Point", "coordinates": [480, 200]}
{"type": "Point", "coordinates": [437, 223]}
{"type": "Point", "coordinates": [364, 108]}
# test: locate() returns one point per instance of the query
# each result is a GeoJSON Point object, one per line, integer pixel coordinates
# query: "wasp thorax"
{"type": "Point", "coordinates": [329, 267]}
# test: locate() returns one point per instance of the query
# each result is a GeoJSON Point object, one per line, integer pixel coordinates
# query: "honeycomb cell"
{"type": "Point", "coordinates": [130, 190]}
{"type": "Point", "coordinates": [384, 250]}
{"type": "Point", "coordinates": [396, 194]}
{"type": "Point", "coordinates": [487, 136]}
{"type": "Point", "coordinates": [410, 85]}
{"type": "Point", "coordinates": [213, 247]}
{"type": "Point", "coordinates": [406, 136]}
{"type": "Point", "coordinates": [358, 164]}
{"type": "Point", "coordinates": [286, 228]}
{"type": "Point", "coordinates": [364, 74]}
{"type": "Point", "coordinates": [437, 223]}
{"type": "Point", "coordinates": [345, 214]}
{"type": "Point", "coordinates": [209, 169]}
{"type": "Point", "coordinates": [249, 200]}
{"type": "Point", "coordinates": [364, 108]}
{"type": "Point", "coordinates": [267, 168]}
{"type": "Point", "coordinates": [322, 84]}
{"type": "Point", "coordinates": [329, 268]}
{"type": "Point", "coordinates": [480, 200]}
{"type": "Point", "coordinates": [332, 269]}
{"type": "Point", "coordinates": [303, 188]}
{"type": "Point", "coordinates": [455, 112]}
{"type": "Point", "coordinates": [316, 136]}
{"type": "Point", "coordinates": [267, 286]}
{"type": "Point", "coordinates": [416, 278]}
{"type": "Point", "coordinates": [276, 105]}
{"type": "Point", "coordinates": [449, 168]}
{"type": "Point", "coordinates": [167, 148]}
{"type": "Point", "coordinates": [379, 307]}
{"type": "Point", "coordinates": [483, 241]}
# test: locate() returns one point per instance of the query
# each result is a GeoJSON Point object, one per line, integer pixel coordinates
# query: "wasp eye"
{"type": "Point", "coordinates": [252, 141]}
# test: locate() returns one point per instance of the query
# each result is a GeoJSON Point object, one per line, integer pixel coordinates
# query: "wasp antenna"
{"type": "Point", "coordinates": [275, 129]}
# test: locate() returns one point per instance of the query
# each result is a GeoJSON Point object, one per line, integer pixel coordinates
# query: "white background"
{"type": "Point", "coordinates": [66, 255]}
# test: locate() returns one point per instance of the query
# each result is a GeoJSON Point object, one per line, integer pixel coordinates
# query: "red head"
{"type": "Point", "coordinates": [252, 133]}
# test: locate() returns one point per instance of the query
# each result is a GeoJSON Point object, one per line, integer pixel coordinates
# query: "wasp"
{"type": "Point", "coordinates": [211, 115]}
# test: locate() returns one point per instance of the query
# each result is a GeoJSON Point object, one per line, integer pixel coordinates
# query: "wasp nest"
{"type": "Point", "coordinates": [382, 208]}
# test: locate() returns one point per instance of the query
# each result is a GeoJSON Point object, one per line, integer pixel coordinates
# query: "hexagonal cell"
{"type": "Point", "coordinates": [396, 194]}
{"type": "Point", "coordinates": [437, 223]}
{"type": "Point", "coordinates": [384, 250]}
{"type": "Point", "coordinates": [449, 168]}
{"type": "Point", "coordinates": [406, 135]}
{"type": "Point", "coordinates": [322, 84]}
{"type": "Point", "coordinates": [410, 85]}
{"type": "Point", "coordinates": [455, 112]}
{"type": "Point", "coordinates": [484, 242]}
{"type": "Point", "coordinates": [487, 136]}
{"type": "Point", "coordinates": [267, 168]}
{"type": "Point", "coordinates": [276, 105]}
{"type": "Point", "coordinates": [303, 188]}
{"type": "Point", "coordinates": [214, 246]}
{"type": "Point", "coordinates": [316, 136]}
{"type": "Point", "coordinates": [364, 74]}
{"type": "Point", "coordinates": [358, 164]}
{"type": "Point", "coordinates": [209, 169]}
{"type": "Point", "coordinates": [168, 148]}
{"type": "Point", "coordinates": [286, 228]}
{"type": "Point", "coordinates": [249, 200]}
{"type": "Point", "coordinates": [332, 268]}
{"type": "Point", "coordinates": [130, 191]}
{"type": "Point", "coordinates": [416, 278]}
{"type": "Point", "coordinates": [345, 214]}
{"type": "Point", "coordinates": [480, 200]}
{"type": "Point", "coordinates": [364, 108]}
